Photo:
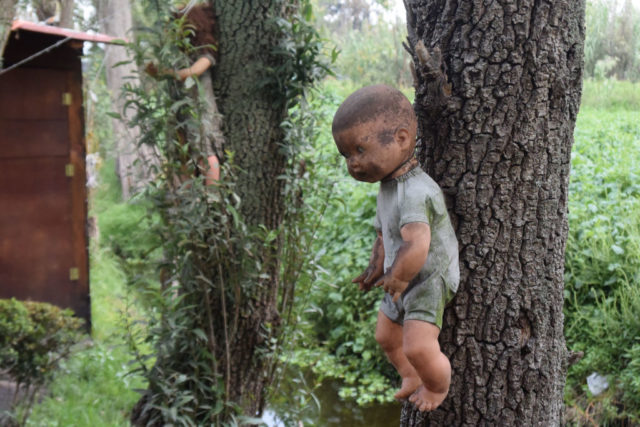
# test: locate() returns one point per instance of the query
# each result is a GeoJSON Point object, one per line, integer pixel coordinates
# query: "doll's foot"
{"type": "Point", "coordinates": [427, 400]}
{"type": "Point", "coordinates": [409, 385]}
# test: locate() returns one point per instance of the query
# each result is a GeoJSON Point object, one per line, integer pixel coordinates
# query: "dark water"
{"type": "Point", "coordinates": [334, 411]}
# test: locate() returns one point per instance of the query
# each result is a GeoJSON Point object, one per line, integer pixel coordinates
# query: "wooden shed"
{"type": "Point", "coordinates": [43, 197]}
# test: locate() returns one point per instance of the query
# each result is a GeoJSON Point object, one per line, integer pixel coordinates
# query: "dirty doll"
{"type": "Point", "coordinates": [201, 21]}
{"type": "Point", "coordinates": [415, 254]}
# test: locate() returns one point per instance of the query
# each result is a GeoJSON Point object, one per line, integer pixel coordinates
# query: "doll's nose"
{"type": "Point", "coordinates": [352, 162]}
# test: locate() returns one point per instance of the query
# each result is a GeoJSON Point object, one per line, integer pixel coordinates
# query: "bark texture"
{"type": "Point", "coordinates": [66, 13]}
{"type": "Point", "coordinates": [252, 116]}
{"type": "Point", "coordinates": [499, 146]}
{"type": "Point", "coordinates": [7, 11]}
{"type": "Point", "coordinates": [115, 20]}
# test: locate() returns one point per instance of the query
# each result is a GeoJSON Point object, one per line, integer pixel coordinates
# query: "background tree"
{"type": "Point", "coordinates": [7, 11]}
{"type": "Point", "coordinates": [612, 42]}
{"type": "Point", "coordinates": [134, 164]}
{"type": "Point", "coordinates": [500, 146]}
{"type": "Point", "coordinates": [66, 13]}
{"type": "Point", "coordinates": [226, 290]}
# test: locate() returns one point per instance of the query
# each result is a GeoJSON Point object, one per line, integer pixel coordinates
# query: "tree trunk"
{"type": "Point", "coordinates": [66, 13]}
{"type": "Point", "coordinates": [115, 20]}
{"type": "Point", "coordinates": [239, 296]}
{"type": "Point", "coordinates": [7, 11]}
{"type": "Point", "coordinates": [500, 149]}
{"type": "Point", "coordinates": [252, 118]}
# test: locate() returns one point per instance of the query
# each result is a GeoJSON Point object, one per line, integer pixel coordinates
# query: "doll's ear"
{"type": "Point", "coordinates": [403, 138]}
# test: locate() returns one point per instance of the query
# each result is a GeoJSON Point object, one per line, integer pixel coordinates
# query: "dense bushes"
{"type": "Point", "coordinates": [34, 338]}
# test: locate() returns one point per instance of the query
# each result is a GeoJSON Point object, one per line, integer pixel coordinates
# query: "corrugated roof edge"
{"type": "Point", "coordinates": [62, 32]}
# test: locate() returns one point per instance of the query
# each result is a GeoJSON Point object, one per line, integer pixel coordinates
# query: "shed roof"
{"type": "Point", "coordinates": [62, 32]}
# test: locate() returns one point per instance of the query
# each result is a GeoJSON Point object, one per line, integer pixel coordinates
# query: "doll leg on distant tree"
{"type": "Point", "coordinates": [389, 336]}
{"type": "Point", "coordinates": [213, 170]}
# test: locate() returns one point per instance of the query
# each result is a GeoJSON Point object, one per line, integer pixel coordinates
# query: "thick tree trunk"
{"type": "Point", "coordinates": [115, 20]}
{"type": "Point", "coordinates": [7, 11]}
{"type": "Point", "coordinates": [500, 149]}
{"type": "Point", "coordinates": [252, 117]}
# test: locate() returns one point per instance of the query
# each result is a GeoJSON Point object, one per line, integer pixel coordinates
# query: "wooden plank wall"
{"type": "Point", "coordinates": [43, 211]}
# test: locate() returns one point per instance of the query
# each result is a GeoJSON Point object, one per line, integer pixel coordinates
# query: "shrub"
{"type": "Point", "coordinates": [34, 338]}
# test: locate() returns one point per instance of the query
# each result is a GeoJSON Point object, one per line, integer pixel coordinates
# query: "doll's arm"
{"type": "Point", "coordinates": [375, 268]}
{"type": "Point", "coordinates": [201, 65]}
{"type": "Point", "coordinates": [409, 260]}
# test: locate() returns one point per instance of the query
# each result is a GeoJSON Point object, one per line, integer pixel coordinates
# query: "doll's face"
{"type": "Point", "coordinates": [373, 151]}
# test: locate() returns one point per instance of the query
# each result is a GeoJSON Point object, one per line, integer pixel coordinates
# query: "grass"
{"type": "Point", "coordinates": [602, 274]}
{"type": "Point", "coordinates": [610, 95]}
{"type": "Point", "coordinates": [94, 387]}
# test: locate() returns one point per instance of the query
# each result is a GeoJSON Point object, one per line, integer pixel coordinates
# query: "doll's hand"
{"type": "Point", "coordinates": [156, 72]}
{"type": "Point", "coordinates": [368, 277]}
{"type": "Point", "coordinates": [151, 69]}
{"type": "Point", "coordinates": [395, 287]}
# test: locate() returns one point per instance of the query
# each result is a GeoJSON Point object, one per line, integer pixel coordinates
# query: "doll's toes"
{"type": "Point", "coordinates": [424, 407]}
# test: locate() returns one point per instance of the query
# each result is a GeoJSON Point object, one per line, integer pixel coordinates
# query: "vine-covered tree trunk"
{"type": "Point", "coordinates": [252, 117]}
{"type": "Point", "coordinates": [216, 344]}
{"type": "Point", "coordinates": [500, 149]}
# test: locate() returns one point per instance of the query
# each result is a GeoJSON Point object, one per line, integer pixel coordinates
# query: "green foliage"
{"type": "Point", "coordinates": [375, 55]}
{"type": "Point", "coordinates": [612, 42]}
{"type": "Point", "coordinates": [602, 276]}
{"type": "Point", "coordinates": [610, 94]}
{"type": "Point", "coordinates": [34, 338]}
{"type": "Point", "coordinates": [298, 57]}
{"type": "Point", "coordinates": [92, 388]}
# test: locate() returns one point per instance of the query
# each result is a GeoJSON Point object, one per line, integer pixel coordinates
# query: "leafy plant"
{"type": "Point", "coordinates": [34, 338]}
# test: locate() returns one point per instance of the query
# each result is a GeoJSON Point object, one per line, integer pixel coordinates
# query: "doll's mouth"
{"type": "Point", "coordinates": [358, 174]}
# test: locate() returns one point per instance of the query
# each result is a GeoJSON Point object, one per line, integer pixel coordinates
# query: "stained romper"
{"type": "Point", "coordinates": [415, 197]}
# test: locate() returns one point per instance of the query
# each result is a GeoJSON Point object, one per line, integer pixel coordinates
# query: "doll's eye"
{"type": "Point", "coordinates": [360, 149]}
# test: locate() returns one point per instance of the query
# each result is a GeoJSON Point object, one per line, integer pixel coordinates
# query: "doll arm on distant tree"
{"type": "Point", "coordinates": [375, 268]}
{"type": "Point", "coordinates": [201, 65]}
{"type": "Point", "coordinates": [411, 256]}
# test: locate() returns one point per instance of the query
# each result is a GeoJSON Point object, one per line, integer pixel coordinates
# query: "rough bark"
{"type": "Point", "coordinates": [252, 115]}
{"type": "Point", "coordinates": [115, 20]}
{"type": "Point", "coordinates": [7, 11]}
{"type": "Point", "coordinates": [500, 149]}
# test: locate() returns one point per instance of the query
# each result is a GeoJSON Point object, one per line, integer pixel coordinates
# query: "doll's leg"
{"type": "Point", "coordinates": [213, 170]}
{"type": "Point", "coordinates": [389, 336]}
{"type": "Point", "coordinates": [421, 347]}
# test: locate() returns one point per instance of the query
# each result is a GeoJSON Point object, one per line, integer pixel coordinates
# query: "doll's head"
{"type": "Point", "coordinates": [201, 20]}
{"type": "Point", "coordinates": [375, 130]}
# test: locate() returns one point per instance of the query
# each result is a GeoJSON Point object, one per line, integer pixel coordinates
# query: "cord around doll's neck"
{"type": "Point", "coordinates": [404, 167]}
